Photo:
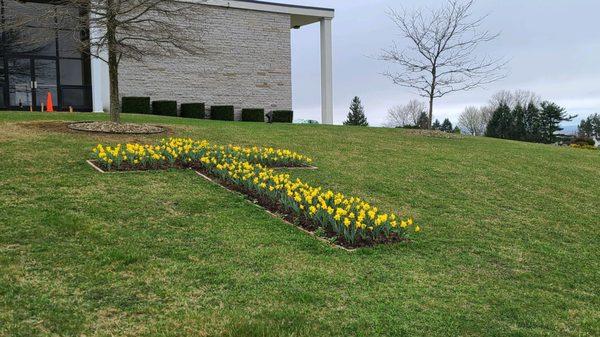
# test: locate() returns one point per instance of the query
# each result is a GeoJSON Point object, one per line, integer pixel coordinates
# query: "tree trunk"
{"type": "Point", "coordinates": [113, 68]}
{"type": "Point", "coordinates": [113, 74]}
{"type": "Point", "coordinates": [432, 92]}
{"type": "Point", "coordinates": [430, 111]}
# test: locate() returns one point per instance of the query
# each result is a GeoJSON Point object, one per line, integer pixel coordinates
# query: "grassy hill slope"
{"type": "Point", "coordinates": [510, 241]}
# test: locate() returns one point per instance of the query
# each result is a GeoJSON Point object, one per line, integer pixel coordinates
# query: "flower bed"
{"type": "Point", "coordinates": [583, 146]}
{"type": "Point", "coordinates": [350, 221]}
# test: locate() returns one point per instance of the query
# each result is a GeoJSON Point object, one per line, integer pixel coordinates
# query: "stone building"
{"type": "Point", "coordinates": [246, 62]}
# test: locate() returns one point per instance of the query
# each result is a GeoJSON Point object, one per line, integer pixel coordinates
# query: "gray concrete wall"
{"type": "Point", "coordinates": [246, 63]}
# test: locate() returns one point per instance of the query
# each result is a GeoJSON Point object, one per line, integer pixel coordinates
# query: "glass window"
{"type": "Point", "coordinates": [75, 97]}
{"type": "Point", "coordinates": [71, 72]}
{"type": "Point", "coordinates": [45, 81]}
{"type": "Point", "coordinates": [29, 40]}
{"type": "Point", "coordinates": [42, 92]}
{"type": "Point", "coordinates": [69, 43]}
{"type": "Point", "coordinates": [32, 14]}
{"type": "Point", "coordinates": [19, 79]}
{"type": "Point", "coordinates": [2, 82]}
{"type": "Point", "coordinates": [68, 17]}
{"type": "Point", "coordinates": [1, 71]}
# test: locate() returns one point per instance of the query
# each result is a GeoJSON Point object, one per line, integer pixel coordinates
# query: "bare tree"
{"type": "Point", "coordinates": [403, 115]}
{"type": "Point", "coordinates": [131, 29]}
{"type": "Point", "coordinates": [487, 112]}
{"type": "Point", "coordinates": [441, 58]}
{"type": "Point", "coordinates": [473, 120]}
{"type": "Point", "coordinates": [136, 29]}
{"type": "Point", "coordinates": [514, 98]}
{"type": "Point", "coordinates": [15, 18]}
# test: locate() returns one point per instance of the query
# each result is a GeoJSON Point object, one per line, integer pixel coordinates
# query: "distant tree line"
{"type": "Point", "coordinates": [590, 127]}
{"type": "Point", "coordinates": [414, 116]}
{"type": "Point", "coordinates": [445, 126]}
{"type": "Point", "coordinates": [532, 123]}
{"type": "Point", "coordinates": [517, 115]}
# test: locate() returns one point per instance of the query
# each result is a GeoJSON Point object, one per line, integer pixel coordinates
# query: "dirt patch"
{"type": "Point", "coordinates": [63, 127]}
{"type": "Point", "coordinates": [47, 126]}
{"type": "Point", "coordinates": [433, 134]}
{"type": "Point", "coordinates": [117, 128]}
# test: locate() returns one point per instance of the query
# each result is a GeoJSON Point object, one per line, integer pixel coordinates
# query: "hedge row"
{"type": "Point", "coordinates": [253, 115]}
{"type": "Point", "coordinates": [143, 105]}
{"type": "Point", "coordinates": [193, 110]}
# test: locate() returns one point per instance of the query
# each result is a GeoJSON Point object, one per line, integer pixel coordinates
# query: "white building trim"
{"type": "Point", "coordinates": [100, 79]}
{"type": "Point", "coordinates": [326, 72]}
{"type": "Point", "coordinates": [301, 15]}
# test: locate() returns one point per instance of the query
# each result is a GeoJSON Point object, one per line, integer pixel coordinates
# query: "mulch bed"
{"type": "Point", "coordinates": [63, 127]}
{"type": "Point", "coordinates": [269, 205]}
{"type": "Point", "coordinates": [117, 128]}
{"type": "Point", "coordinates": [433, 134]}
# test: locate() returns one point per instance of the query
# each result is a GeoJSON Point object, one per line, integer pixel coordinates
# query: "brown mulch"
{"type": "Point", "coordinates": [117, 128]}
{"type": "Point", "coordinates": [63, 127]}
{"type": "Point", "coordinates": [433, 134]}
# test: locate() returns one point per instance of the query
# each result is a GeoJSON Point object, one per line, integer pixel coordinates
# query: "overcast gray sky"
{"type": "Point", "coordinates": [553, 48]}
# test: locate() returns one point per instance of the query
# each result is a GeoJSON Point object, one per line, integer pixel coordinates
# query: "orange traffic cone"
{"type": "Point", "coordinates": [49, 107]}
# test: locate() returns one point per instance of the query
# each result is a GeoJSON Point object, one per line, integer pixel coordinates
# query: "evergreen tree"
{"type": "Point", "coordinates": [590, 127]}
{"type": "Point", "coordinates": [456, 130]}
{"type": "Point", "coordinates": [518, 128]}
{"type": "Point", "coordinates": [505, 122]}
{"type": "Point", "coordinates": [595, 120]}
{"type": "Point", "coordinates": [356, 116]}
{"type": "Point", "coordinates": [585, 128]}
{"type": "Point", "coordinates": [532, 122]}
{"type": "Point", "coordinates": [436, 125]}
{"type": "Point", "coordinates": [446, 126]}
{"type": "Point", "coordinates": [550, 118]}
{"type": "Point", "coordinates": [423, 121]}
{"type": "Point", "coordinates": [500, 122]}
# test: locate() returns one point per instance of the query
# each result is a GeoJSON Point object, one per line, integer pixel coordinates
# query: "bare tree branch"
{"type": "Point", "coordinates": [122, 29]}
{"type": "Point", "coordinates": [405, 115]}
{"type": "Point", "coordinates": [441, 58]}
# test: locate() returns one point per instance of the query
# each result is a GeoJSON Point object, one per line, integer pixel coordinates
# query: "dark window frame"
{"type": "Point", "coordinates": [85, 59]}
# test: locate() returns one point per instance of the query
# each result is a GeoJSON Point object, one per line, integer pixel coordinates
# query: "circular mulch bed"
{"type": "Point", "coordinates": [117, 128]}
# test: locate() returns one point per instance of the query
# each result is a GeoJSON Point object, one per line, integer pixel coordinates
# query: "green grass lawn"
{"type": "Point", "coordinates": [510, 243]}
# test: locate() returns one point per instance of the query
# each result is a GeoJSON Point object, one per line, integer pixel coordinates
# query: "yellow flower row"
{"type": "Point", "coordinates": [181, 152]}
{"type": "Point", "coordinates": [585, 147]}
{"type": "Point", "coordinates": [350, 218]}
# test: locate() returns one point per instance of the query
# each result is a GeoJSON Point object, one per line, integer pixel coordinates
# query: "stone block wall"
{"type": "Point", "coordinates": [246, 63]}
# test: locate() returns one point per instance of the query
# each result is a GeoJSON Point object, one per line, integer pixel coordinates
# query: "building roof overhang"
{"type": "Point", "coordinates": [300, 15]}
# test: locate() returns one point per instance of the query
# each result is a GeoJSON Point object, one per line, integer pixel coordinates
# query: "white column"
{"type": "Point", "coordinates": [326, 72]}
{"type": "Point", "coordinates": [100, 85]}
{"type": "Point", "coordinates": [99, 69]}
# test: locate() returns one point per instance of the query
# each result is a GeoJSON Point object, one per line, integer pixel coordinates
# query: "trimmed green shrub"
{"type": "Point", "coordinates": [221, 112]}
{"type": "Point", "coordinates": [283, 116]}
{"type": "Point", "coordinates": [193, 110]}
{"type": "Point", "coordinates": [164, 108]}
{"type": "Point", "coordinates": [253, 115]}
{"type": "Point", "coordinates": [135, 105]}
